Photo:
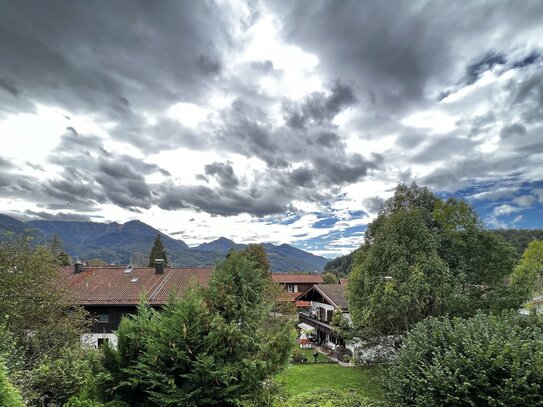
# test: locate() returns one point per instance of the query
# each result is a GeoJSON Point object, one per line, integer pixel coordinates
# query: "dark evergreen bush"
{"type": "Point", "coordinates": [487, 360]}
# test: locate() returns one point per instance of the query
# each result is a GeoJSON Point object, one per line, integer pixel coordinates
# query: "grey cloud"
{"type": "Point", "coordinates": [373, 204]}
{"type": "Point", "coordinates": [319, 107]}
{"type": "Point", "coordinates": [9, 87]}
{"type": "Point", "coordinates": [58, 216]}
{"type": "Point", "coordinates": [115, 60]}
{"type": "Point", "coordinates": [489, 61]}
{"type": "Point", "coordinates": [4, 163]}
{"type": "Point", "coordinates": [513, 130]}
{"type": "Point", "coordinates": [224, 174]}
{"type": "Point", "coordinates": [224, 203]}
{"type": "Point", "coordinates": [397, 50]}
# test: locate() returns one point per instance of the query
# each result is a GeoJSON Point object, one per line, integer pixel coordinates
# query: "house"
{"type": "Point", "coordinates": [324, 300]}
{"type": "Point", "coordinates": [535, 305]}
{"type": "Point", "coordinates": [294, 284]}
{"type": "Point", "coordinates": [110, 292]}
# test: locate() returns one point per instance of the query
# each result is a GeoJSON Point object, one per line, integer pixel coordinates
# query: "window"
{"type": "Point", "coordinates": [102, 341]}
{"type": "Point", "coordinates": [103, 318]}
{"type": "Point", "coordinates": [289, 288]}
{"type": "Point", "coordinates": [295, 288]}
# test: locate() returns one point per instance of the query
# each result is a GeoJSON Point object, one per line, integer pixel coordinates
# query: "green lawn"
{"type": "Point", "coordinates": [310, 359]}
{"type": "Point", "coordinates": [309, 377]}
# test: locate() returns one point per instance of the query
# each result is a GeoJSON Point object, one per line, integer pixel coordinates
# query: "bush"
{"type": "Point", "coordinates": [298, 356]}
{"type": "Point", "coordinates": [78, 402]}
{"type": "Point", "coordinates": [327, 398]}
{"type": "Point", "coordinates": [9, 396]}
{"type": "Point", "coordinates": [54, 380]}
{"type": "Point", "coordinates": [487, 360]}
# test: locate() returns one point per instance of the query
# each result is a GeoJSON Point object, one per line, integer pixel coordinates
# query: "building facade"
{"type": "Point", "coordinates": [324, 300]}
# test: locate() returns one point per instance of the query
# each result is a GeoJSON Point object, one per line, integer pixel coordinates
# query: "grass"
{"type": "Point", "coordinates": [309, 355]}
{"type": "Point", "coordinates": [310, 377]}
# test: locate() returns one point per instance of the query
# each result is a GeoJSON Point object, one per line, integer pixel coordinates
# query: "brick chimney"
{"type": "Point", "coordinates": [159, 266]}
{"type": "Point", "coordinates": [78, 267]}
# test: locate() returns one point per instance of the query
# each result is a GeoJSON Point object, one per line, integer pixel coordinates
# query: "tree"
{"type": "Point", "coordinates": [426, 257]}
{"type": "Point", "coordinates": [157, 251]}
{"type": "Point", "coordinates": [34, 299]}
{"type": "Point", "coordinates": [213, 347]}
{"type": "Point", "coordinates": [487, 360]}
{"type": "Point", "coordinates": [527, 278]}
{"type": "Point", "coordinates": [57, 251]}
{"type": "Point", "coordinates": [97, 262]}
{"type": "Point", "coordinates": [329, 278]}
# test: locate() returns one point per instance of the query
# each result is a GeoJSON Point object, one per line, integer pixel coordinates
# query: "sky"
{"type": "Point", "coordinates": [269, 121]}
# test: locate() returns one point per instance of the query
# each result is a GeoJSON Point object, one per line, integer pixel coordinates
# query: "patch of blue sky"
{"type": "Point", "coordinates": [325, 223]}
{"type": "Point", "coordinates": [507, 204]}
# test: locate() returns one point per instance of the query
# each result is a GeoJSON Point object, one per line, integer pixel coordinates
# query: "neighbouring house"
{"type": "Point", "coordinates": [110, 292]}
{"type": "Point", "coordinates": [294, 284]}
{"type": "Point", "coordinates": [316, 320]}
{"type": "Point", "coordinates": [535, 305]}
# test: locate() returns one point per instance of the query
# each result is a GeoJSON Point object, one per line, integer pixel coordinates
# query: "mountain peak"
{"type": "Point", "coordinates": [220, 244]}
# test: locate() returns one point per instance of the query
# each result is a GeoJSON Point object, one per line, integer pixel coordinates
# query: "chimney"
{"type": "Point", "coordinates": [78, 267]}
{"type": "Point", "coordinates": [159, 266]}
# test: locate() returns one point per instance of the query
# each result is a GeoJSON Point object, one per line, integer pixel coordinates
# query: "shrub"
{"type": "Point", "coordinates": [494, 360]}
{"type": "Point", "coordinates": [54, 380]}
{"type": "Point", "coordinates": [78, 402]}
{"type": "Point", "coordinates": [9, 396]}
{"type": "Point", "coordinates": [327, 398]}
{"type": "Point", "coordinates": [298, 356]}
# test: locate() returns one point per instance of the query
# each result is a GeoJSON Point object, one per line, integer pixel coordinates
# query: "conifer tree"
{"type": "Point", "coordinates": [157, 251]}
{"type": "Point", "coordinates": [214, 347]}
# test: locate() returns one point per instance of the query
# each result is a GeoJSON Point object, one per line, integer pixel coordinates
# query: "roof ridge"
{"type": "Point", "coordinates": [161, 285]}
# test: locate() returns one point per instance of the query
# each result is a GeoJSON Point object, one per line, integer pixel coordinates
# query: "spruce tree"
{"type": "Point", "coordinates": [157, 251]}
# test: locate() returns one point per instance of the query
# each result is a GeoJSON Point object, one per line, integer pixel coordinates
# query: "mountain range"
{"type": "Point", "coordinates": [123, 243]}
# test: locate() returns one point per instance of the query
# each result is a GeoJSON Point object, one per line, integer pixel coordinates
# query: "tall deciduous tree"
{"type": "Point", "coordinates": [34, 299]}
{"type": "Point", "coordinates": [158, 251]}
{"type": "Point", "coordinates": [427, 257]}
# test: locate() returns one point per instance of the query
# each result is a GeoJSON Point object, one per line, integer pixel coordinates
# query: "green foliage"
{"type": "Point", "coordinates": [427, 257]}
{"type": "Point", "coordinates": [341, 326]}
{"type": "Point", "coordinates": [97, 262]}
{"type": "Point", "coordinates": [57, 251]}
{"type": "Point", "coordinates": [488, 360]}
{"type": "Point", "coordinates": [55, 379]}
{"type": "Point", "coordinates": [528, 275]}
{"type": "Point", "coordinates": [327, 398]}
{"type": "Point", "coordinates": [341, 266]}
{"type": "Point", "coordinates": [33, 298]}
{"type": "Point", "coordinates": [329, 278]}
{"type": "Point", "coordinates": [520, 238]}
{"type": "Point", "coordinates": [79, 402]}
{"type": "Point", "coordinates": [9, 396]}
{"type": "Point", "coordinates": [158, 251]}
{"type": "Point", "coordinates": [214, 347]}
{"type": "Point", "coordinates": [402, 280]}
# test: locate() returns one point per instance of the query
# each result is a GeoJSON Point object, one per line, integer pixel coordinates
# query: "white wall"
{"type": "Point", "coordinates": [91, 340]}
{"type": "Point", "coordinates": [315, 304]}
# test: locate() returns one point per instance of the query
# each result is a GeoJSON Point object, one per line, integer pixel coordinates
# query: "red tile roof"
{"type": "Point", "coordinates": [110, 285]}
{"type": "Point", "coordinates": [283, 278]}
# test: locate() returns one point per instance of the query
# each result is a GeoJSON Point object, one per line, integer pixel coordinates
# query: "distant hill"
{"type": "Point", "coordinates": [221, 244]}
{"type": "Point", "coordinates": [121, 243]}
{"type": "Point", "coordinates": [11, 226]}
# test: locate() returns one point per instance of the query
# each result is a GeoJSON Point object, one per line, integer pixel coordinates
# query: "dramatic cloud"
{"type": "Point", "coordinates": [284, 121]}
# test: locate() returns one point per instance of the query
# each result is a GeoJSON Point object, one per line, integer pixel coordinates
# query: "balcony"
{"type": "Point", "coordinates": [313, 320]}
